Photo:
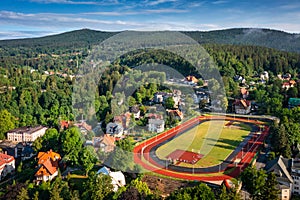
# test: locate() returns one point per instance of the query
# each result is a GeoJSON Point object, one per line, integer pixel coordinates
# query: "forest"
{"type": "Point", "coordinates": [36, 87]}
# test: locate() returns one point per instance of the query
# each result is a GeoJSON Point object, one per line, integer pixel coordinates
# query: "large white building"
{"type": "Point", "coordinates": [26, 134]}
{"type": "Point", "coordinates": [7, 165]}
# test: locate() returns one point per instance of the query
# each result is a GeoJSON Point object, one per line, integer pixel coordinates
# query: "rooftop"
{"type": "Point", "coordinates": [26, 129]}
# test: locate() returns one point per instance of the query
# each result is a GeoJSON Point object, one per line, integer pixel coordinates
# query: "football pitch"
{"type": "Point", "coordinates": [214, 140]}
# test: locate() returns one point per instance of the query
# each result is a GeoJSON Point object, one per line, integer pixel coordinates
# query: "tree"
{"type": "Point", "coordinates": [270, 190]}
{"type": "Point", "coordinates": [36, 196]}
{"type": "Point", "coordinates": [254, 182]}
{"type": "Point", "coordinates": [23, 194]}
{"type": "Point", "coordinates": [7, 123]}
{"type": "Point", "coordinates": [87, 159]}
{"type": "Point", "coordinates": [98, 187]}
{"type": "Point", "coordinates": [169, 103]}
{"type": "Point", "coordinates": [71, 145]}
{"type": "Point", "coordinates": [55, 192]}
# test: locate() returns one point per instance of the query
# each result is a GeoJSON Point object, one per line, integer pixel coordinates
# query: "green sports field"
{"type": "Point", "coordinates": [214, 139]}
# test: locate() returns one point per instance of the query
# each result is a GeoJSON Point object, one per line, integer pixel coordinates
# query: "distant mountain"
{"type": "Point", "coordinates": [248, 36]}
{"type": "Point", "coordinates": [241, 36]}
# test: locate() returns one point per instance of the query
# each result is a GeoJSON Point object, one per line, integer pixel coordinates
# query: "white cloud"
{"type": "Point", "coordinates": [156, 2]}
{"type": "Point", "coordinates": [111, 2]}
{"type": "Point", "coordinates": [140, 12]}
{"type": "Point", "coordinates": [219, 2]}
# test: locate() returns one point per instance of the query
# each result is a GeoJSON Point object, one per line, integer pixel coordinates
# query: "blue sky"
{"type": "Point", "coordinates": [32, 18]}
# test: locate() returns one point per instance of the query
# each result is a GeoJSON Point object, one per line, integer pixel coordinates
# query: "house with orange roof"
{"type": "Point", "coordinates": [191, 80]}
{"type": "Point", "coordinates": [105, 143]}
{"type": "Point", "coordinates": [7, 165]}
{"type": "Point", "coordinates": [47, 165]}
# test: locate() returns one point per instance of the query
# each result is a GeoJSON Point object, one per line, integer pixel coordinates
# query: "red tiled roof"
{"type": "Point", "coordinates": [44, 156]}
{"type": "Point", "coordinates": [4, 159]}
{"type": "Point", "coordinates": [108, 140]}
{"type": "Point", "coordinates": [46, 169]}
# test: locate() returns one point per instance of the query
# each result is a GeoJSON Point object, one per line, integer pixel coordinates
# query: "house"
{"type": "Point", "coordinates": [244, 93]}
{"type": "Point", "coordinates": [200, 95]}
{"type": "Point", "coordinates": [191, 80]}
{"type": "Point", "coordinates": [64, 124]}
{"type": "Point", "coordinates": [239, 78]}
{"type": "Point", "coordinates": [281, 167]}
{"type": "Point", "coordinates": [10, 147]}
{"type": "Point", "coordinates": [135, 110]}
{"type": "Point", "coordinates": [26, 134]}
{"type": "Point", "coordinates": [293, 102]}
{"type": "Point", "coordinates": [117, 178]}
{"type": "Point", "coordinates": [156, 125]}
{"type": "Point", "coordinates": [123, 119]}
{"type": "Point", "coordinates": [242, 106]}
{"type": "Point", "coordinates": [153, 116]}
{"type": "Point", "coordinates": [7, 165]}
{"type": "Point", "coordinates": [47, 166]}
{"type": "Point", "coordinates": [114, 129]}
{"type": "Point", "coordinates": [24, 150]}
{"type": "Point", "coordinates": [105, 143]}
{"type": "Point", "coordinates": [264, 76]}
{"type": "Point", "coordinates": [84, 127]}
{"type": "Point", "coordinates": [159, 97]}
{"type": "Point", "coordinates": [288, 85]}
{"type": "Point", "coordinates": [177, 114]}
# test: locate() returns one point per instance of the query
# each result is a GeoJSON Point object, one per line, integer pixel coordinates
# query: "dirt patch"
{"type": "Point", "coordinates": [165, 186]}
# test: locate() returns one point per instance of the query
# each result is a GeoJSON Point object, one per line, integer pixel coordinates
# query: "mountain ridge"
{"type": "Point", "coordinates": [270, 38]}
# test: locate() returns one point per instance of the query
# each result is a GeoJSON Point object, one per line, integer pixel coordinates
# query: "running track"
{"type": "Point", "coordinates": [144, 150]}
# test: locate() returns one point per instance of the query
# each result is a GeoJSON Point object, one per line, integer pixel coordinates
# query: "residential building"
{"type": "Point", "coordinates": [242, 106]}
{"type": "Point", "coordinates": [83, 126]}
{"type": "Point", "coordinates": [135, 110]}
{"type": "Point", "coordinates": [177, 114]}
{"type": "Point", "coordinates": [105, 143]}
{"type": "Point", "coordinates": [7, 165]}
{"type": "Point", "coordinates": [10, 147]}
{"type": "Point", "coordinates": [123, 119]}
{"type": "Point", "coordinates": [26, 134]}
{"type": "Point", "coordinates": [156, 125]}
{"type": "Point", "coordinates": [47, 166]}
{"type": "Point", "coordinates": [288, 85]}
{"type": "Point", "coordinates": [117, 178]}
{"type": "Point", "coordinates": [191, 80]}
{"type": "Point", "coordinates": [154, 116]}
{"type": "Point", "coordinates": [281, 167]}
{"type": "Point", "coordinates": [114, 129]}
{"type": "Point", "coordinates": [264, 76]}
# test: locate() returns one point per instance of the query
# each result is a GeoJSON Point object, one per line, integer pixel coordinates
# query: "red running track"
{"type": "Point", "coordinates": [144, 148]}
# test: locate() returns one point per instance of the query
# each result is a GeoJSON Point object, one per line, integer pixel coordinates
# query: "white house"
{"type": "Point", "coordinates": [117, 178]}
{"type": "Point", "coordinates": [114, 129]}
{"type": "Point", "coordinates": [47, 166]}
{"type": "Point", "coordinates": [7, 165]}
{"type": "Point", "coordinates": [156, 125]}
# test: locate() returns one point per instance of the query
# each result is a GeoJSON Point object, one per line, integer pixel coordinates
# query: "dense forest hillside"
{"type": "Point", "coordinates": [242, 36]}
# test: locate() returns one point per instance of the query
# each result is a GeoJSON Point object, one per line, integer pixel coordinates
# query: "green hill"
{"type": "Point", "coordinates": [242, 36]}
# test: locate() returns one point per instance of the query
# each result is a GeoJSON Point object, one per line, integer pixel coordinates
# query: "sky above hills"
{"type": "Point", "coordinates": [32, 18]}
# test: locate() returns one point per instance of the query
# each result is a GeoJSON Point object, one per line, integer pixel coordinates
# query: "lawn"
{"type": "Point", "coordinates": [211, 138]}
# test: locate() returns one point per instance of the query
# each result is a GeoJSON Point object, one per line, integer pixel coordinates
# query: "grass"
{"type": "Point", "coordinates": [211, 138]}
